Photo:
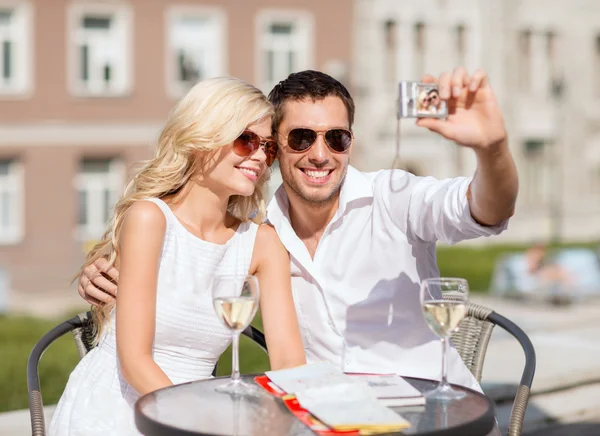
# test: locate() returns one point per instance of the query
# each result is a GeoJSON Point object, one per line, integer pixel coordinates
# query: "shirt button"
{"type": "Point", "coordinates": [330, 322]}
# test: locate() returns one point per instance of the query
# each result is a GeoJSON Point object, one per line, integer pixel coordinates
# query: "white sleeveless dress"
{"type": "Point", "coordinates": [188, 341]}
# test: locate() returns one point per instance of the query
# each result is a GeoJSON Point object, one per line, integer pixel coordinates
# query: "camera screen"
{"type": "Point", "coordinates": [418, 100]}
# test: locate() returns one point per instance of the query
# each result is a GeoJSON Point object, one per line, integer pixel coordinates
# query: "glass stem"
{"type": "Point", "coordinates": [235, 364]}
{"type": "Point", "coordinates": [445, 356]}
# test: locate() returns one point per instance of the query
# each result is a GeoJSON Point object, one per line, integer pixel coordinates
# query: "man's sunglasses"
{"type": "Point", "coordinates": [301, 139]}
{"type": "Point", "coordinates": [248, 142]}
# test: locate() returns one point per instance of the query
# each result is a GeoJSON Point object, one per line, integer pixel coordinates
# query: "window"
{"type": "Point", "coordinates": [11, 201]}
{"type": "Point", "coordinates": [525, 60]}
{"type": "Point", "coordinates": [391, 50]}
{"type": "Point", "coordinates": [99, 184]}
{"type": "Point", "coordinates": [552, 61]}
{"type": "Point", "coordinates": [100, 55]}
{"type": "Point", "coordinates": [15, 49]}
{"type": "Point", "coordinates": [420, 47]}
{"type": "Point", "coordinates": [460, 43]}
{"type": "Point", "coordinates": [285, 46]}
{"type": "Point", "coordinates": [551, 49]}
{"type": "Point", "coordinates": [196, 47]}
{"type": "Point", "coordinates": [537, 174]}
{"type": "Point", "coordinates": [596, 70]}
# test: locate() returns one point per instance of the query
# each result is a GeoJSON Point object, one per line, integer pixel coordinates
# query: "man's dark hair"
{"type": "Point", "coordinates": [308, 84]}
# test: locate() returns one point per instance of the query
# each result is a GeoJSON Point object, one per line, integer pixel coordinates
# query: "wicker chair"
{"type": "Point", "coordinates": [82, 329]}
{"type": "Point", "coordinates": [471, 342]}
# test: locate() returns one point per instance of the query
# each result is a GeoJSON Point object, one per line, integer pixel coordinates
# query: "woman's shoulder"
{"type": "Point", "coordinates": [146, 214]}
{"type": "Point", "coordinates": [269, 252]}
{"type": "Point", "coordinates": [266, 235]}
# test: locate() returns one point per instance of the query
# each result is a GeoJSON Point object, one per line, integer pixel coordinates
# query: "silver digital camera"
{"type": "Point", "coordinates": [420, 100]}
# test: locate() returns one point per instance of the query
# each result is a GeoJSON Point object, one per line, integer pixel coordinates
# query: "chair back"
{"type": "Point", "coordinates": [82, 328]}
{"type": "Point", "coordinates": [80, 324]}
{"type": "Point", "coordinates": [471, 342]}
{"type": "Point", "coordinates": [84, 335]}
{"type": "Point", "coordinates": [472, 338]}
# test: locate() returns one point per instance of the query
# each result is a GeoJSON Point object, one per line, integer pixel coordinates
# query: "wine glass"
{"type": "Point", "coordinates": [235, 299]}
{"type": "Point", "coordinates": [444, 305]}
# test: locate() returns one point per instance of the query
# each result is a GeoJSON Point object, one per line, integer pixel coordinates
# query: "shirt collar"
{"type": "Point", "coordinates": [356, 186]}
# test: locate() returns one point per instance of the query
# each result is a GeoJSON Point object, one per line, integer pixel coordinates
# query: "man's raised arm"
{"type": "Point", "coordinates": [475, 121]}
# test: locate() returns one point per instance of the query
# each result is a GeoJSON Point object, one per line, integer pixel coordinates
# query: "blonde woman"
{"type": "Point", "coordinates": [423, 102]}
{"type": "Point", "coordinates": [184, 218]}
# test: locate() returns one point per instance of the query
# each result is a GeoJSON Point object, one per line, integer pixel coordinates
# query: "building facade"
{"type": "Point", "coordinates": [543, 59]}
{"type": "Point", "coordinates": [86, 85]}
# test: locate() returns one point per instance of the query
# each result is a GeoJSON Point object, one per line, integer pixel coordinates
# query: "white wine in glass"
{"type": "Point", "coordinates": [443, 317]}
{"type": "Point", "coordinates": [236, 312]}
{"type": "Point", "coordinates": [235, 300]}
{"type": "Point", "coordinates": [444, 305]}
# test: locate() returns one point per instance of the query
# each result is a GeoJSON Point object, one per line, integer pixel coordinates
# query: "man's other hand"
{"type": "Point", "coordinates": [98, 282]}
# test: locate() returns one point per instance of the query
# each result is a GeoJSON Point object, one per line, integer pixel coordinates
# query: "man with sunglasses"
{"type": "Point", "coordinates": [361, 243]}
{"type": "Point", "coordinates": [434, 101]}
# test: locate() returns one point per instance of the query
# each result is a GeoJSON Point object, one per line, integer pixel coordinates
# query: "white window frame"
{"type": "Point", "coordinates": [595, 64]}
{"type": "Point", "coordinates": [218, 59]}
{"type": "Point", "coordinates": [123, 21]}
{"type": "Point", "coordinates": [461, 54]}
{"type": "Point", "coordinates": [421, 39]}
{"type": "Point", "coordinates": [22, 36]}
{"type": "Point", "coordinates": [13, 183]}
{"type": "Point", "coordinates": [305, 45]}
{"type": "Point", "coordinates": [391, 32]}
{"type": "Point", "coordinates": [95, 184]}
{"type": "Point", "coordinates": [525, 36]}
{"type": "Point", "coordinates": [538, 173]}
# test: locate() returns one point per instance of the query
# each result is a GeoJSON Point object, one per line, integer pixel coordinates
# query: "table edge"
{"type": "Point", "coordinates": [150, 427]}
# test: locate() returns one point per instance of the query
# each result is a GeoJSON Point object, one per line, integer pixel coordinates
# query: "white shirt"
{"type": "Point", "coordinates": [358, 300]}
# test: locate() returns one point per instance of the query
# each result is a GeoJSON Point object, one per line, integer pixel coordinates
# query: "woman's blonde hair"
{"type": "Point", "coordinates": [421, 101]}
{"type": "Point", "coordinates": [212, 114]}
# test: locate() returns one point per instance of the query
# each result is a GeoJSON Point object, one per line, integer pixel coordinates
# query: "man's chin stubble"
{"type": "Point", "coordinates": [320, 201]}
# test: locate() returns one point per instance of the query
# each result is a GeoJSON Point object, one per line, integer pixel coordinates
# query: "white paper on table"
{"type": "Point", "coordinates": [348, 404]}
{"type": "Point", "coordinates": [389, 386]}
{"type": "Point", "coordinates": [391, 389]}
{"type": "Point", "coordinates": [304, 377]}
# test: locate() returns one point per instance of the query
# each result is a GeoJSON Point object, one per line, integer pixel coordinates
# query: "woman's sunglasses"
{"type": "Point", "coordinates": [248, 142]}
{"type": "Point", "coordinates": [301, 139]}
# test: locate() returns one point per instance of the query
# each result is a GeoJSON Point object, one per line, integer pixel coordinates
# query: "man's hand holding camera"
{"type": "Point", "coordinates": [474, 116]}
